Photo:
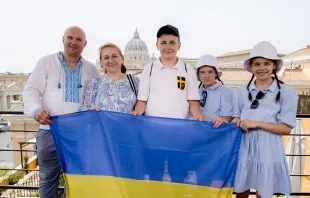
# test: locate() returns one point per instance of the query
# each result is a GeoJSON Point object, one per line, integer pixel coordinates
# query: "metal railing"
{"type": "Point", "coordinates": [29, 188]}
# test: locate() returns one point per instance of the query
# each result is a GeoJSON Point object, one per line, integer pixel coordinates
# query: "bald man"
{"type": "Point", "coordinates": [56, 86]}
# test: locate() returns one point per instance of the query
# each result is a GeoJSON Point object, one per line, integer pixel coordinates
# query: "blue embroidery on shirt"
{"type": "Point", "coordinates": [72, 80]}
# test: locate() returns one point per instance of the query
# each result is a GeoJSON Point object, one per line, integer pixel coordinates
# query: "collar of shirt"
{"type": "Point", "coordinates": [271, 88]}
{"type": "Point", "coordinates": [213, 87]}
{"type": "Point", "coordinates": [63, 63]}
{"type": "Point", "coordinates": [178, 65]}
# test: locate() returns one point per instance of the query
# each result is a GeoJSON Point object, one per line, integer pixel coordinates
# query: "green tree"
{"type": "Point", "coordinates": [25, 163]}
{"type": "Point", "coordinates": [15, 177]}
{"type": "Point", "coordinates": [304, 103]}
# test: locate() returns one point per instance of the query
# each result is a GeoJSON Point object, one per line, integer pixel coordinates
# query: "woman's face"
{"type": "Point", "coordinates": [111, 60]}
{"type": "Point", "coordinates": [262, 68]}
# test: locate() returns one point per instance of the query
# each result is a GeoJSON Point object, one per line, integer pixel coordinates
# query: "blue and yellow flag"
{"type": "Point", "coordinates": [116, 155]}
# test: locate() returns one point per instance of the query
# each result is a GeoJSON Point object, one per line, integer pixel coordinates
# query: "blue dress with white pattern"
{"type": "Point", "coordinates": [262, 163]}
{"type": "Point", "coordinates": [110, 95]}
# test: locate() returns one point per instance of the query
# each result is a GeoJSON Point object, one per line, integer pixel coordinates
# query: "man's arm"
{"type": "Point", "coordinates": [33, 90]}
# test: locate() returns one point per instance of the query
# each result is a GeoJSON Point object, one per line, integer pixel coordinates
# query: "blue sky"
{"type": "Point", "coordinates": [33, 28]}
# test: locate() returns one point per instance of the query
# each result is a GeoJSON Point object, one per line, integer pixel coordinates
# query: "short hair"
{"type": "Point", "coordinates": [169, 30]}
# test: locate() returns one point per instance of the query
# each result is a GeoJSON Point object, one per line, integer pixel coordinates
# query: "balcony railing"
{"type": "Point", "coordinates": [31, 185]}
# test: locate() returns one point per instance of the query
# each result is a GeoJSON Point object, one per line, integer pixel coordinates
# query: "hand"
{"type": "Point", "coordinates": [95, 108]}
{"type": "Point", "coordinates": [200, 117]}
{"type": "Point", "coordinates": [135, 112]}
{"type": "Point", "coordinates": [237, 121]}
{"type": "Point", "coordinates": [139, 108]}
{"type": "Point", "coordinates": [248, 124]}
{"type": "Point", "coordinates": [43, 117]}
{"type": "Point", "coordinates": [218, 121]}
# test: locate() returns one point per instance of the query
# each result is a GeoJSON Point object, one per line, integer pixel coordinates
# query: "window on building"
{"type": "Point", "coordinates": [16, 97]}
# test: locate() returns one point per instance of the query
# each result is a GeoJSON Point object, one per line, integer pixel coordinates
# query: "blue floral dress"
{"type": "Point", "coordinates": [110, 95]}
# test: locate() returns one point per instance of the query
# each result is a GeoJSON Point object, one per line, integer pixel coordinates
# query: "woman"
{"type": "Point", "coordinates": [114, 90]}
{"type": "Point", "coordinates": [265, 109]}
{"type": "Point", "coordinates": [216, 99]}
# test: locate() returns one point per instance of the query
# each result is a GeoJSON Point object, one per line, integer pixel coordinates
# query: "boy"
{"type": "Point", "coordinates": [168, 87]}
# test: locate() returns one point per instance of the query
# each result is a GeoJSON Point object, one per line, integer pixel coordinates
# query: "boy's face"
{"type": "Point", "coordinates": [168, 46]}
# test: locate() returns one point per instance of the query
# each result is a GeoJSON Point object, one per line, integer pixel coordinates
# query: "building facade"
{"type": "Point", "coordinates": [295, 72]}
{"type": "Point", "coordinates": [136, 55]}
{"type": "Point", "coordinates": [11, 87]}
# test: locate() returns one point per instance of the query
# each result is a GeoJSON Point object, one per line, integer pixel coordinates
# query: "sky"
{"type": "Point", "coordinates": [31, 29]}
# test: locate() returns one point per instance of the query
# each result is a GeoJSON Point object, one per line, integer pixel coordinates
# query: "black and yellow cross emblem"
{"type": "Point", "coordinates": [181, 82]}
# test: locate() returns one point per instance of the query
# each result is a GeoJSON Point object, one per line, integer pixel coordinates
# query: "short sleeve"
{"type": "Point", "coordinates": [237, 102]}
{"type": "Point", "coordinates": [144, 84]}
{"type": "Point", "coordinates": [288, 107]}
{"type": "Point", "coordinates": [226, 108]}
{"type": "Point", "coordinates": [192, 88]}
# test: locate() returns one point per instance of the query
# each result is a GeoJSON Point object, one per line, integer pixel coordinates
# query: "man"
{"type": "Point", "coordinates": [56, 86]}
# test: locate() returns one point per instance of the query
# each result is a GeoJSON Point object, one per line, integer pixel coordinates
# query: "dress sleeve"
{"type": "Point", "coordinates": [90, 94]}
{"type": "Point", "coordinates": [237, 102]}
{"type": "Point", "coordinates": [226, 108]}
{"type": "Point", "coordinates": [288, 107]}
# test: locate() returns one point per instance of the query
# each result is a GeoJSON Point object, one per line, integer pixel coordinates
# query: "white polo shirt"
{"type": "Point", "coordinates": [168, 89]}
{"type": "Point", "coordinates": [41, 91]}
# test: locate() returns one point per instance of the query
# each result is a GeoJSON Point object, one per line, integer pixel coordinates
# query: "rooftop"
{"type": "Point", "coordinates": [301, 54]}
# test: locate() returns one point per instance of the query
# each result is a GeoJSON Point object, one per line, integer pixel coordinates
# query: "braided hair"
{"type": "Point", "coordinates": [218, 78]}
{"type": "Point", "coordinates": [274, 78]}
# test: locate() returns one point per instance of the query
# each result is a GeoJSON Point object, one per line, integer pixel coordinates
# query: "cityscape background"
{"type": "Point", "coordinates": [227, 29]}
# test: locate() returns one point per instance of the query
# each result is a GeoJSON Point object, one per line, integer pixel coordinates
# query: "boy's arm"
{"type": "Point", "coordinates": [193, 93]}
{"type": "Point", "coordinates": [139, 108]}
{"type": "Point", "coordinates": [143, 92]}
{"type": "Point", "coordinates": [194, 109]}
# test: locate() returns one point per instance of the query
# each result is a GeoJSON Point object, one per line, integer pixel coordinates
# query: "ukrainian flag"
{"type": "Point", "coordinates": [116, 155]}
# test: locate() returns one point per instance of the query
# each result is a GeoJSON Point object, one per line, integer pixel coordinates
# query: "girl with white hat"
{"type": "Point", "coordinates": [215, 98]}
{"type": "Point", "coordinates": [265, 109]}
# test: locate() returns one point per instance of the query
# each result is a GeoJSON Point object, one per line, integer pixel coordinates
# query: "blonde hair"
{"type": "Point", "coordinates": [102, 47]}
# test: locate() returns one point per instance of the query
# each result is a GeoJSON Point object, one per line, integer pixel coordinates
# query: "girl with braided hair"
{"type": "Point", "coordinates": [215, 98]}
{"type": "Point", "coordinates": [265, 109]}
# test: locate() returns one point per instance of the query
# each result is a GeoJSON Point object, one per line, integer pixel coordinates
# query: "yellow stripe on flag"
{"type": "Point", "coordinates": [88, 186]}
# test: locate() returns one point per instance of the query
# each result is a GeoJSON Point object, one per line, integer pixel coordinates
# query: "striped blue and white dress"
{"type": "Point", "coordinates": [262, 163]}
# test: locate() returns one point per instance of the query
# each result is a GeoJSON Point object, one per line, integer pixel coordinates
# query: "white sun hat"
{"type": "Point", "coordinates": [266, 50]}
{"type": "Point", "coordinates": [209, 60]}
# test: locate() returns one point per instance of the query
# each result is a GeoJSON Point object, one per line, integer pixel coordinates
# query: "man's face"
{"type": "Point", "coordinates": [74, 42]}
{"type": "Point", "coordinates": [168, 46]}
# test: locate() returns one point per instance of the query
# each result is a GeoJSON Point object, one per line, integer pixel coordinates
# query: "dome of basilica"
{"type": "Point", "coordinates": [136, 44]}
{"type": "Point", "coordinates": [136, 53]}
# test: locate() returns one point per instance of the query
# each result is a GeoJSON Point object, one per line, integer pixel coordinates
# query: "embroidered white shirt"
{"type": "Point", "coordinates": [42, 90]}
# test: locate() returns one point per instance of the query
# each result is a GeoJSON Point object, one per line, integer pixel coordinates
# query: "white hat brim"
{"type": "Point", "coordinates": [248, 67]}
{"type": "Point", "coordinates": [218, 70]}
